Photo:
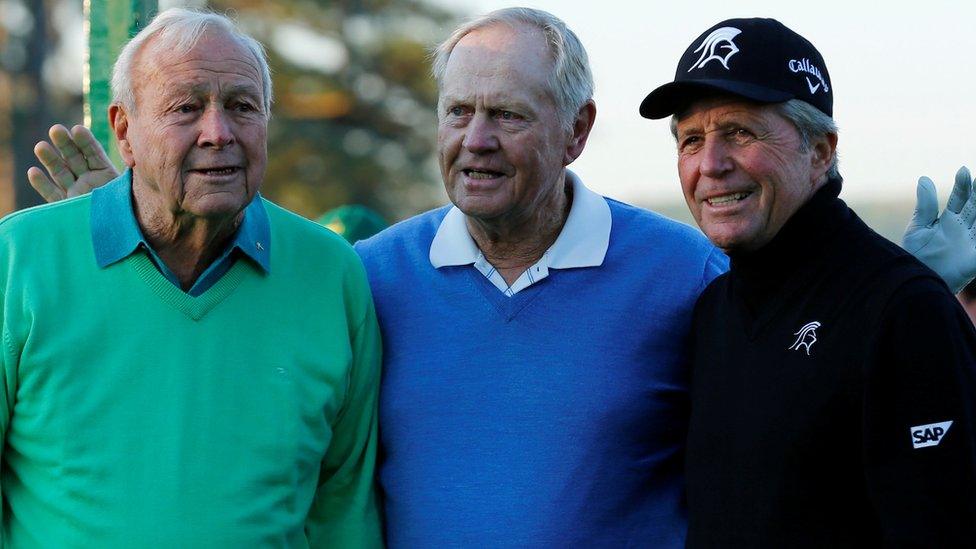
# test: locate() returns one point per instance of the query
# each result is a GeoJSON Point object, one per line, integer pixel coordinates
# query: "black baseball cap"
{"type": "Point", "coordinates": [758, 59]}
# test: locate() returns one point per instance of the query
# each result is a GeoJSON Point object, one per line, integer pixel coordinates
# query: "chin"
{"type": "Point", "coordinates": [481, 207]}
{"type": "Point", "coordinates": [729, 239]}
{"type": "Point", "coordinates": [217, 207]}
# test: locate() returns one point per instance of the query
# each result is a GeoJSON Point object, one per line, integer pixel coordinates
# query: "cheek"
{"type": "Point", "coordinates": [443, 142]}
{"type": "Point", "coordinates": [163, 147]}
{"type": "Point", "coordinates": [448, 133]}
{"type": "Point", "coordinates": [687, 177]}
{"type": "Point", "coordinates": [780, 183]}
{"type": "Point", "coordinates": [251, 134]}
{"type": "Point", "coordinates": [449, 145]}
{"type": "Point", "coordinates": [258, 153]}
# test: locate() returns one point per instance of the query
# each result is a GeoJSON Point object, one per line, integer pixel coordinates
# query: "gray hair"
{"type": "Point", "coordinates": [180, 29]}
{"type": "Point", "coordinates": [570, 82]}
{"type": "Point", "coordinates": [810, 122]}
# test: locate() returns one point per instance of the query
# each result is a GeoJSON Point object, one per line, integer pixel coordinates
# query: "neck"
{"type": "Point", "coordinates": [186, 243]}
{"type": "Point", "coordinates": [514, 245]}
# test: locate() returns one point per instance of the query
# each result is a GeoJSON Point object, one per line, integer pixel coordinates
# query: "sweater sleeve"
{"type": "Point", "coordinates": [8, 387]}
{"type": "Point", "coordinates": [345, 512]}
{"type": "Point", "coordinates": [919, 430]}
{"type": "Point", "coordinates": [716, 264]}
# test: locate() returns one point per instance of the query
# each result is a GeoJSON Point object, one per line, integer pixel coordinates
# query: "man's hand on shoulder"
{"type": "Point", "coordinates": [946, 242]}
{"type": "Point", "coordinates": [75, 162]}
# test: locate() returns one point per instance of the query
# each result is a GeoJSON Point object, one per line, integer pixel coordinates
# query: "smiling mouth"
{"type": "Point", "coordinates": [727, 199]}
{"type": "Point", "coordinates": [481, 174]}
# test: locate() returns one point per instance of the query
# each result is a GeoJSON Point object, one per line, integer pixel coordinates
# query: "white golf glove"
{"type": "Point", "coordinates": [947, 242]}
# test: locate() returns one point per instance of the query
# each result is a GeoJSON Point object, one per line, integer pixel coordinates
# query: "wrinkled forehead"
{"type": "Point", "coordinates": [216, 60]}
{"type": "Point", "coordinates": [712, 103]}
{"type": "Point", "coordinates": [500, 58]}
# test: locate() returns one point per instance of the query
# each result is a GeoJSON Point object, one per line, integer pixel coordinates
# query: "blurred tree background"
{"type": "Point", "coordinates": [353, 119]}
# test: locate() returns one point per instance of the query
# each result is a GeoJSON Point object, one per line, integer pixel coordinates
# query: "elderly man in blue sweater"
{"type": "Point", "coordinates": [534, 389]}
{"type": "Point", "coordinates": [535, 332]}
{"type": "Point", "coordinates": [535, 364]}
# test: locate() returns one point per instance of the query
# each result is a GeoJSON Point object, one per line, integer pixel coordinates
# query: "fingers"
{"type": "Point", "coordinates": [965, 181]}
{"type": "Point", "coordinates": [55, 165]}
{"type": "Point", "coordinates": [73, 158]}
{"type": "Point", "coordinates": [83, 186]}
{"type": "Point", "coordinates": [961, 191]}
{"type": "Point", "coordinates": [91, 149]}
{"type": "Point", "coordinates": [75, 161]}
{"type": "Point", "coordinates": [927, 205]}
{"type": "Point", "coordinates": [44, 186]}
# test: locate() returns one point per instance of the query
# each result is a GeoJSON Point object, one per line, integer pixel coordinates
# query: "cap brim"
{"type": "Point", "coordinates": [674, 97]}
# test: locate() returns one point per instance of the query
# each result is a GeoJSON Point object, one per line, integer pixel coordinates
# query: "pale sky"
{"type": "Point", "coordinates": [903, 76]}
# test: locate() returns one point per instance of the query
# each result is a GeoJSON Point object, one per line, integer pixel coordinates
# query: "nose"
{"type": "Point", "coordinates": [479, 135]}
{"type": "Point", "coordinates": [215, 129]}
{"type": "Point", "coordinates": [715, 159]}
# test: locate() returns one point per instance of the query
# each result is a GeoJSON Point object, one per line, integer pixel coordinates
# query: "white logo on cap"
{"type": "Point", "coordinates": [804, 65]}
{"type": "Point", "coordinates": [718, 39]}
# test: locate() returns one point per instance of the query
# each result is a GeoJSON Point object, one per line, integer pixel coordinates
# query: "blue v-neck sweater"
{"type": "Point", "coordinates": [552, 418]}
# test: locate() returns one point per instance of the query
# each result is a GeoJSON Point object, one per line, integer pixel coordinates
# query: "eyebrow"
{"type": "Point", "coordinates": [490, 102]}
{"type": "Point", "coordinates": [226, 91]}
{"type": "Point", "coordinates": [679, 131]}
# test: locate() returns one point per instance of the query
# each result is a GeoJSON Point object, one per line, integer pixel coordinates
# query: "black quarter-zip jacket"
{"type": "Point", "coordinates": [828, 366]}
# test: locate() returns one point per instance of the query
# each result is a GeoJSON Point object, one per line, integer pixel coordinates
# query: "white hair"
{"type": "Point", "coordinates": [570, 82]}
{"type": "Point", "coordinates": [179, 30]}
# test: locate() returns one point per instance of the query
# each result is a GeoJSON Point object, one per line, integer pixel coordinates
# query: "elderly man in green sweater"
{"type": "Point", "coordinates": [184, 364]}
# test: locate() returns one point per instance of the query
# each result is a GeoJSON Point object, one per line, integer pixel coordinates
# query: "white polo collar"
{"type": "Point", "coordinates": [583, 241]}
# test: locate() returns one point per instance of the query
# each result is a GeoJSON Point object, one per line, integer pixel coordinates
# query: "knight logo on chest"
{"type": "Point", "coordinates": [806, 337]}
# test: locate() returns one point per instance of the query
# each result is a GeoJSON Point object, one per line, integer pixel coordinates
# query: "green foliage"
{"type": "Point", "coordinates": [353, 120]}
{"type": "Point", "coordinates": [354, 115]}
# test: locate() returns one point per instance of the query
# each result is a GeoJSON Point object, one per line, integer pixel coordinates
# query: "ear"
{"type": "Point", "coordinates": [581, 132]}
{"type": "Point", "coordinates": [118, 119]}
{"type": "Point", "coordinates": [823, 152]}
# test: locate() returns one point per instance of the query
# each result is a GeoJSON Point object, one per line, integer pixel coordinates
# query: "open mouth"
{"type": "Point", "coordinates": [727, 199]}
{"type": "Point", "coordinates": [481, 174]}
{"type": "Point", "coordinates": [229, 170]}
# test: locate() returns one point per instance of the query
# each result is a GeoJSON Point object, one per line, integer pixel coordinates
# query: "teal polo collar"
{"type": "Point", "coordinates": [116, 234]}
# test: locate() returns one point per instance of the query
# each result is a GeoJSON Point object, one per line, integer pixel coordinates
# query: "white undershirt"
{"type": "Point", "coordinates": [582, 242]}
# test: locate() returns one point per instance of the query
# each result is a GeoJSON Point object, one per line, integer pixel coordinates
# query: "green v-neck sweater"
{"type": "Point", "coordinates": [134, 415]}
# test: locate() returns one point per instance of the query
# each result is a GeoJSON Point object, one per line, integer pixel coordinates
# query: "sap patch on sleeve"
{"type": "Point", "coordinates": [929, 435]}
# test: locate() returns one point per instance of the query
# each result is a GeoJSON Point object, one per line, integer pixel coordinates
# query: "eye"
{"type": "Point", "coordinates": [690, 143]}
{"type": "Point", "coordinates": [456, 110]}
{"type": "Point", "coordinates": [243, 106]}
{"type": "Point", "coordinates": [186, 108]}
{"type": "Point", "coordinates": [740, 135]}
{"type": "Point", "coordinates": [509, 115]}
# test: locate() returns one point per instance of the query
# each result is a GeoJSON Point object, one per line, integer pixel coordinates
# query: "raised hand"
{"type": "Point", "coordinates": [946, 242]}
{"type": "Point", "coordinates": [75, 161]}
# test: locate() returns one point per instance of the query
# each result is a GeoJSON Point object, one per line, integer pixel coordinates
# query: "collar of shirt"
{"type": "Point", "coordinates": [583, 241]}
{"type": "Point", "coordinates": [116, 234]}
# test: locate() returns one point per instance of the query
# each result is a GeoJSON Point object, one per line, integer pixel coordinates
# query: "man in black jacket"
{"type": "Point", "coordinates": [834, 375]}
